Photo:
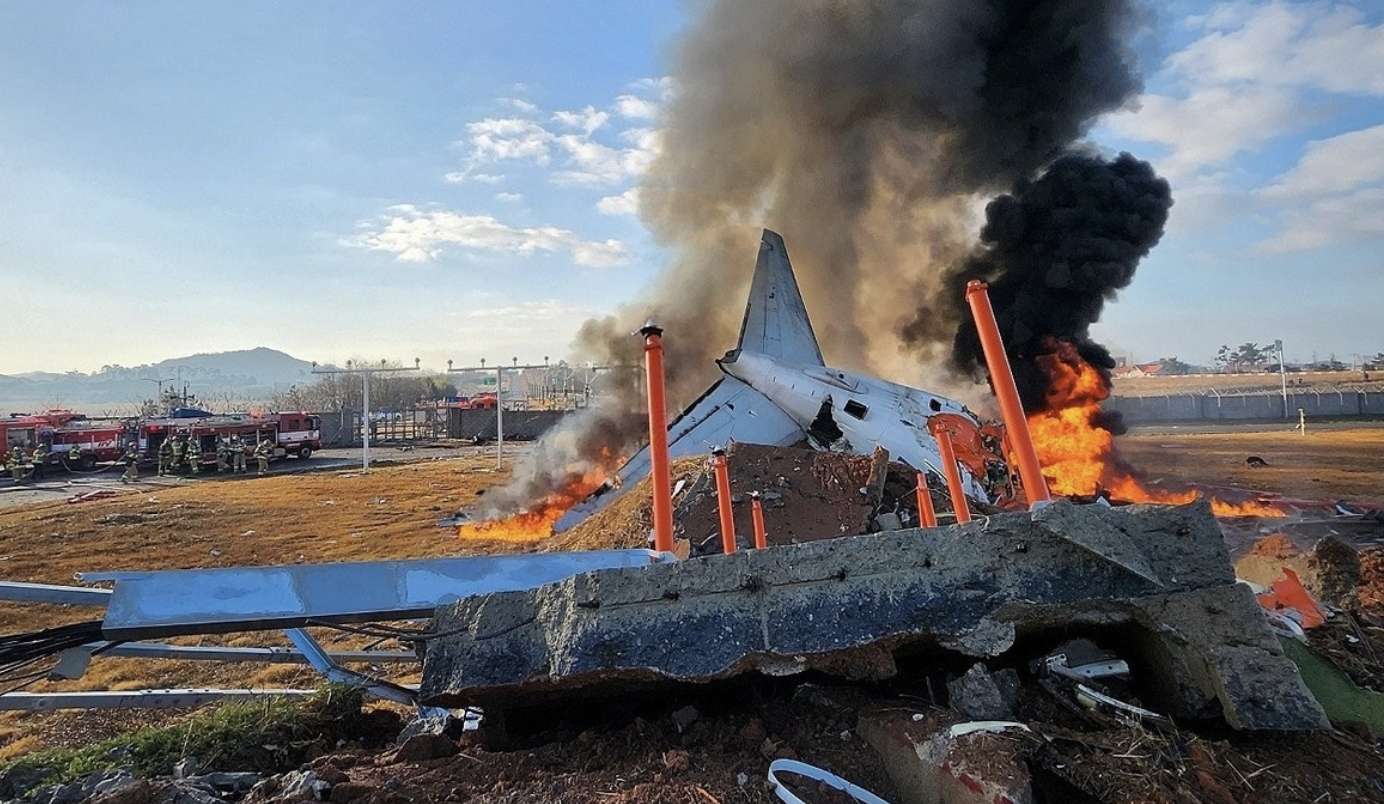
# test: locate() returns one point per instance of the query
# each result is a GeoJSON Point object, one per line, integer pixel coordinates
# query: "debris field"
{"type": "Point", "coordinates": [712, 741]}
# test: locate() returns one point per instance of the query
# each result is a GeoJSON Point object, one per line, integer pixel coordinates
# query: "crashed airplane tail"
{"type": "Point", "coordinates": [776, 323]}
{"type": "Point", "coordinates": [778, 391]}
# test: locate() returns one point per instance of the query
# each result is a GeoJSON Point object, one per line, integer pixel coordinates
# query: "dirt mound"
{"type": "Point", "coordinates": [806, 495]}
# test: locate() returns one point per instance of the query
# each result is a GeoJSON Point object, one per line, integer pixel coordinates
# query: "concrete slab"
{"type": "Point", "coordinates": [844, 605]}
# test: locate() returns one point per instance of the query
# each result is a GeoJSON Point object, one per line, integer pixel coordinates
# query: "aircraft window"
{"type": "Point", "coordinates": [856, 409]}
{"type": "Point", "coordinates": [934, 404]}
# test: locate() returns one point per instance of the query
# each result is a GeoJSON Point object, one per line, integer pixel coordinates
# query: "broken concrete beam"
{"type": "Point", "coordinates": [844, 605]}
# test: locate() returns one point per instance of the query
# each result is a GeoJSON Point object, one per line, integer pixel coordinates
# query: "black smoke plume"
{"type": "Point", "coordinates": [862, 131]}
{"type": "Point", "coordinates": [1053, 252]}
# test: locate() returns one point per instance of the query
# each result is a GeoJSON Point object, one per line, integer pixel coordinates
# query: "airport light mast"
{"type": "Point", "coordinates": [365, 372]}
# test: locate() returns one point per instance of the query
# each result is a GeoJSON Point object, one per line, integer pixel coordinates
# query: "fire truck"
{"type": "Point", "coordinates": [294, 433]}
{"type": "Point", "coordinates": [97, 440]}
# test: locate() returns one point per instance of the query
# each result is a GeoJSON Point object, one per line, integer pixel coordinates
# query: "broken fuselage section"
{"type": "Point", "coordinates": [778, 391]}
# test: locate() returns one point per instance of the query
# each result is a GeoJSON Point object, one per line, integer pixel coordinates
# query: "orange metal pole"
{"type": "Point", "coordinates": [925, 511]}
{"type": "Point", "coordinates": [1002, 378]}
{"type": "Point", "coordinates": [718, 460]}
{"type": "Point", "coordinates": [953, 473]}
{"type": "Point", "coordinates": [761, 538]}
{"type": "Point", "coordinates": [658, 440]}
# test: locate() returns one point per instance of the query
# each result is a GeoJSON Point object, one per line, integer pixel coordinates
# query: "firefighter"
{"type": "Point", "coordinates": [17, 463]}
{"type": "Point", "coordinates": [165, 457]}
{"type": "Point", "coordinates": [223, 455]}
{"type": "Point", "coordinates": [238, 453]}
{"type": "Point", "coordinates": [194, 455]}
{"type": "Point", "coordinates": [179, 449]}
{"type": "Point", "coordinates": [39, 459]}
{"type": "Point", "coordinates": [262, 453]}
{"type": "Point", "coordinates": [131, 464]}
{"type": "Point", "coordinates": [74, 456]}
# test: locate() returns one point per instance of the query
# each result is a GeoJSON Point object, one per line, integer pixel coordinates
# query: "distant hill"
{"type": "Point", "coordinates": [222, 381]}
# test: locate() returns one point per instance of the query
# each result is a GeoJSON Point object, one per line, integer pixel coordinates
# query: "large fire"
{"type": "Point", "coordinates": [536, 522]}
{"type": "Point", "coordinates": [1078, 456]}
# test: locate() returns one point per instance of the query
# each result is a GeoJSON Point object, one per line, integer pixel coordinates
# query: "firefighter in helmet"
{"type": "Point", "coordinates": [74, 456]}
{"type": "Point", "coordinates": [223, 454]}
{"type": "Point", "coordinates": [165, 457]}
{"type": "Point", "coordinates": [131, 464]}
{"type": "Point", "coordinates": [16, 463]}
{"type": "Point", "coordinates": [179, 449]}
{"type": "Point", "coordinates": [238, 453]}
{"type": "Point", "coordinates": [262, 453]}
{"type": "Point", "coordinates": [39, 458]}
{"type": "Point", "coordinates": [194, 455]}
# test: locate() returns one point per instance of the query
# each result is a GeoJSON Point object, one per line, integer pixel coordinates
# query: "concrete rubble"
{"type": "Point", "coordinates": [1158, 575]}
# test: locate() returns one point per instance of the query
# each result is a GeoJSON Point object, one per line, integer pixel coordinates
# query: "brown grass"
{"type": "Point", "coordinates": [1324, 464]}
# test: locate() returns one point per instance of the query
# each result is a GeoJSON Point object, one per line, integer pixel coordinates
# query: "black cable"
{"type": "Point", "coordinates": [390, 632]}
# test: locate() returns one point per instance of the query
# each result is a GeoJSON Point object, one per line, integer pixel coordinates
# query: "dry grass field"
{"type": "Point", "coordinates": [1324, 464]}
{"type": "Point", "coordinates": [392, 513]}
{"type": "Point", "coordinates": [1233, 383]}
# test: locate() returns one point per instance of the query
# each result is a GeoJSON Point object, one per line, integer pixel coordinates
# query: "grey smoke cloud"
{"type": "Point", "coordinates": [864, 132]}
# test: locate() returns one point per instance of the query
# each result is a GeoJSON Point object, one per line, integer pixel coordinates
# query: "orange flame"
{"type": "Point", "coordinates": [1078, 456]}
{"type": "Point", "coordinates": [536, 522]}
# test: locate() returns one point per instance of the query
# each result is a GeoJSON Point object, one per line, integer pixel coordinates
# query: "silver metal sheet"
{"type": "Point", "coordinates": [204, 601]}
{"type": "Point", "coordinates": [268, 655]}
{"type": "Point", "coordinates": [49, 593]}
{"type": "Point", "coordinates": [131, 699]}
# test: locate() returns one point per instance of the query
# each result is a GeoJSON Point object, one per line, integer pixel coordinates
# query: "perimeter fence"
{"type": "Point", "coordinates": [1212, 405]}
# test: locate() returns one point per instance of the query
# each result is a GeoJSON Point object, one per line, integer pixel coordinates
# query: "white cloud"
{"type": "Point", "coordinates": [626, 203]}
{"type": "Point", "coordinates": [593, 152]}
{"type": "Point", "coordinates": [414, 235]}
{"type": "Point", "coordinates": [1242, 83]}
{"type": "Point", "coordinates": [588, 119]}
{"type": "Point", "coordinates": [520, 105]}
{"type": "Point", "coordinates": [1319, 45]}
{"type": "Point", "coordinates": [1342, 218]}
{"type": "Point", "coordinates": [494, 139]}
{"type": "Point", "coordinates": [1210, 125]}
{"type": "Point", "coordinates": [510, 198]}
{"type": "Point", "coordinates": [1334, 165]}
{"type": "Point", "coordinates": [636, 108]}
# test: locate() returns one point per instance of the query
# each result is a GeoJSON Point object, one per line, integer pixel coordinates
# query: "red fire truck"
{"type": "Point", "coordinates": [294, 433]}
{"type": "Point", "coordinates": [97, 440]}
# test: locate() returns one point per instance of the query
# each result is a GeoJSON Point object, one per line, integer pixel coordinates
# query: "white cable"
{"type": "Point", "coordinates": [813, 772]}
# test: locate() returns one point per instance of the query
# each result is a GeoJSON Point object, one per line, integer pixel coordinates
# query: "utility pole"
{"type": "Point", "coordinates": [1282, 374]}
{"type": "Point", "coordinates": [365, 372]}
{"type": "Point", "coordinates": [163, 410]}
{"type": "Point", "coordinates": [500, 370]}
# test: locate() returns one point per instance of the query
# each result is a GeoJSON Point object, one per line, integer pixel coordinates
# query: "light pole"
{"type": "Point", "coordinates": [500, 398]}
{"type": "Point", "coordinates": [365, 372]}
{"type": "Point", "coordinates": [160, 383]}
{"type": "Point", "coordinates": [1282, 374]}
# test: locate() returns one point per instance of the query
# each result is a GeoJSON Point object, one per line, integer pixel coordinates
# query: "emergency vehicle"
{"type": "Point", "coordinates": [98, 440]}
{"type": "Point", "coordinates": [296, 433]}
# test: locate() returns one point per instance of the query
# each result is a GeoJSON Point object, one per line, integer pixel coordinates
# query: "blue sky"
{"type": "Point", "coordinates": [455, 180]}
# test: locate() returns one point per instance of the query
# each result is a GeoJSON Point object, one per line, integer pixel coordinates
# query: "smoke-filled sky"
{"type": "Point", "coordinates": [460, 181]}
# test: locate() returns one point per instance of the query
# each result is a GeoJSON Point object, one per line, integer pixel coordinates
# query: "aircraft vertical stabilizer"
{"type": "Point", "coordinates": [776, 323]}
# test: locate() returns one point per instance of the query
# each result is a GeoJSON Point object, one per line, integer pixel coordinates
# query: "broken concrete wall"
{"type": "Point", "coordinates": [844, 605]}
